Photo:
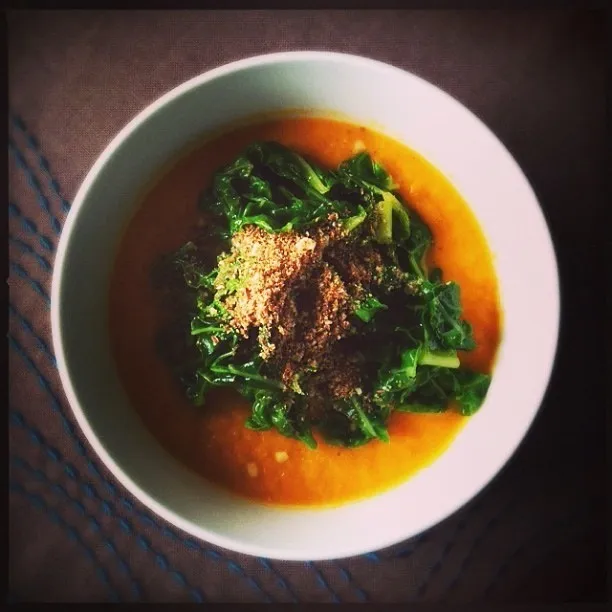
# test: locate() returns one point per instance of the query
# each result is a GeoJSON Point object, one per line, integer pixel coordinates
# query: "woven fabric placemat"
{"type": "Point", "coordinates": [75, 78]}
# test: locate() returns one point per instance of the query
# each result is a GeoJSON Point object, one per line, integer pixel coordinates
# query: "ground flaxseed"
{"type": "Point", "coordinates": [297, 291]}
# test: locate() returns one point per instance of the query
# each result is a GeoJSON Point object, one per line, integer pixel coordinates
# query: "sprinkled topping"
{"type": "Point", "coordinates": [297, 292]}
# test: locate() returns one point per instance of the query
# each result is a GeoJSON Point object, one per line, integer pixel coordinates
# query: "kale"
{"type": "Point", "coordinates": [408, 325]}
{"type": "Point", "coordinates": [366, 308]}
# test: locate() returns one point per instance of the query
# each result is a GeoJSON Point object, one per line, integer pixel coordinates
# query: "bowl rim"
{"type": "Point", "coordinates": [58, 277]}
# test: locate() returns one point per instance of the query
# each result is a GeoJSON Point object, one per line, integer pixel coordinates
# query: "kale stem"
{"type": "Point", "coordinates": [441, 359]}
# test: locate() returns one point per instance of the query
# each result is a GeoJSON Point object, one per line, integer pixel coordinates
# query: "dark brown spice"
{"type": "Point", "coordinates": [297, 291]}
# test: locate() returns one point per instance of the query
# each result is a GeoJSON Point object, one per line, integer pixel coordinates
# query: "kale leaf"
{"type": "Point", "coordinates": [408, 326]}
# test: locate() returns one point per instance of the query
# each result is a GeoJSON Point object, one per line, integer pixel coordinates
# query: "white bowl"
{"type": "Point", "coordinates": [412, 111]}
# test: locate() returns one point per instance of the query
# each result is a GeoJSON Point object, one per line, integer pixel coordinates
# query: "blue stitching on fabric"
{"type": "Point", "coordinates": [38, 288]}
{"type": "Point", "coordinates": [44, 383]}
{"type": "Point", "coordinates": [322, 581]}
{"type": "Point", "coordinates": [124, 524]}
{"type": "Point", "coordinates": [348, 578]}
{"type": "Point", "coordinates": [43, 163]}
{"type": "Point", "coordinates": [30, 227]}
{"type": "Point", "coordinates": [179, 578]}
{"type": "Point", "coordinates": [169, 534]}
{"type": "Point", "coordinates": [42, 199]}
{"type": "Point", "coordinates": [73, 534]}
{"type": "Point", "coordinates": [487, 528]}
{"type": "Point", "coordinates": [280, 580]}
{"type": "Point", "coordinates": [235, 567]}
{"type": "Point", "coordinates": [146, 520]}
{"type": "Point", "coordinates": [27, 326]}
{"type": "Point", "coordinates": [59, 490]}
{"type": "Point", "coordinates": [19, 420]}
{"type": "Point", "coordinates": [26, 248]}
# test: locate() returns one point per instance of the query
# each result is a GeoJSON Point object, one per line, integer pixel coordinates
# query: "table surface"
{"type": "Point", "coordinates": [75, 78]}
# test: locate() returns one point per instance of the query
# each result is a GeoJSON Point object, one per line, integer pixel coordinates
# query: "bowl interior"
{"type": "Point", "coordinates": [391, 101]}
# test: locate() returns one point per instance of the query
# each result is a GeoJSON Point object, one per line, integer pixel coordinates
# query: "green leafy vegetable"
{"type": "Point", "coordinates": [288, 416]}
{"type": "Point", "coordinates": [399, 343]}
{"type": "Point", "coordinates": [368, 307]}
{"type": "Point", "coordinates": [442, 315]}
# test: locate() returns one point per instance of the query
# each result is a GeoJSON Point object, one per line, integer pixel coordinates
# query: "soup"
{"type": "Point", "coordinates": [212, 440]}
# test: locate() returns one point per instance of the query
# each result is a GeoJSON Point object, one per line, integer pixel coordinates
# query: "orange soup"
{"type": "Point", "coordinates": [212, 440]}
